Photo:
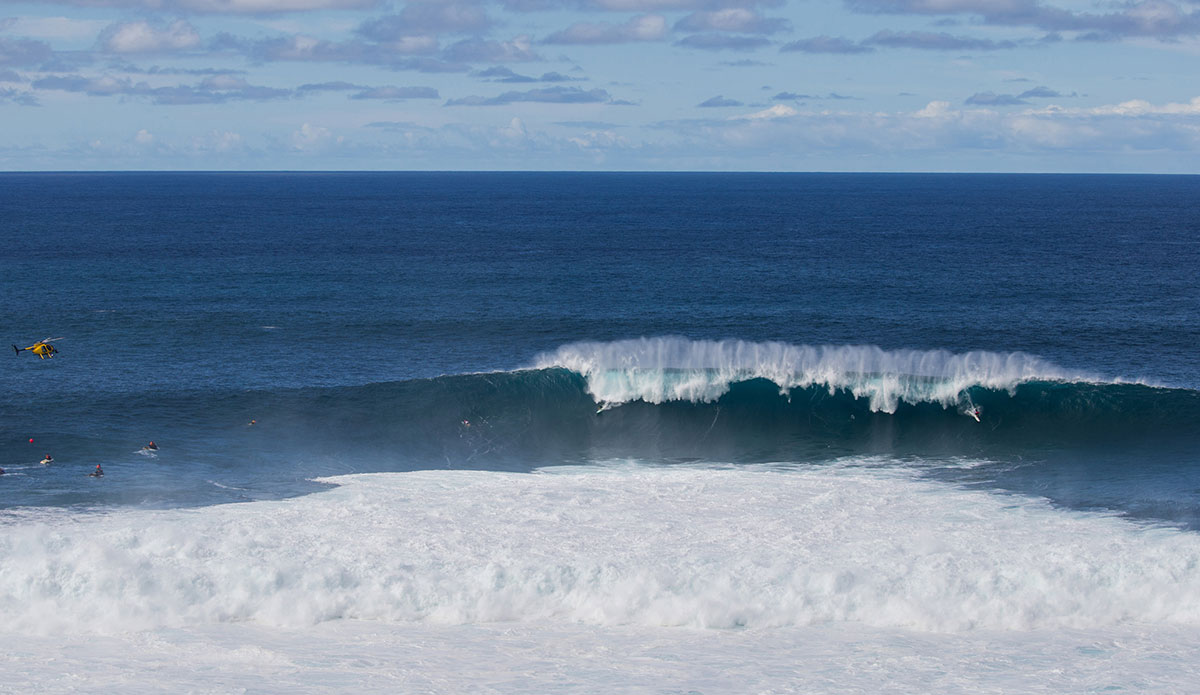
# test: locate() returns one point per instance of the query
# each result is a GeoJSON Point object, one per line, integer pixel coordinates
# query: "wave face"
{"type": "Point", "coordinates": [730, 401]}
{"type": "Point", "coordinates": [1056, 432]}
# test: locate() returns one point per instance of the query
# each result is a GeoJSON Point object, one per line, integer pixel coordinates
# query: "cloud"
{"type": "Point", "coordinates": [719, 100]}
{"type": "Point", "coordinates": [10, 76]}
{"type": "Point", "coordinates": [791, 96]}
{"type": "Point", "coordinates": [992, 99]}
{"type": "Point", "coordinates": [722, 42]}
{"type": "Point", "coordinates": [61, 28]}
{"type": "Point", "coordinates": [734, 19]}
{"type": "Point", "coordinates": [414, 54]}
{"type": "Point", "coordinates": [826, 44]}
{"type": "Point", "coordinates": [396, 125]}
{"type": "Point", "coordinates": [212, 90]}
{"type": "Point", "coordinates": [939, 130]}
{"type": "Point", "coordinates": [23, 52]}
{"type": "Point", "coordinates": [478, 50]}
{"type": "Point", "coordinates": [1160, 19]}
{"type": "Point", "coordinates": [144, 37]}
{"type": "Point", "coordinates": [310, 137]}
{"type": "Point", "coordinates": [132, 69]}
{"type": "Point", "coordinates": [1039, 92]}
{"type": "Point", "coordinates": [776, 111]}
{"type": "Point", "coordinates": [503, 74]}
{"type": "Point", "coordinates": [744, 63]}
{"type": "Point", "coordinates": [396, 93]}
{"type": "Point", "coordinates": [1134, 108]}
{"type": "Point", "coordinates": [251, 7]}
{"type": "Point", "coordinates": [649, 27]}
{"type": "Point", "coordinates": [589, 125]}
{"type": "Point", "coordinates": [336, 86]}
{"type": "Point", "coordinates": [17, 96]}
{"type": "Point", "coordinates": [549, 95]}
{"type": "Point", "coordinates": [671, 5]}
{"type": "Point", "coordinates": [422, 18]}
{"type": "Point", "coordinates": [931, 41]}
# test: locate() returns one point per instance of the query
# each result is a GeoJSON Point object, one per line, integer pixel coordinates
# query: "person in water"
{"type": "Point", "coordinates": [98, 473]}
{"type": "Point", "coordinates": [150, 447]}
{"type": "Point", "coordinates": [48, 459]}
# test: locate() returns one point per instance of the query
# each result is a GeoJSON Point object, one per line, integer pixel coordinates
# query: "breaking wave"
{"type": "Point", "coordinates": [676, 369]}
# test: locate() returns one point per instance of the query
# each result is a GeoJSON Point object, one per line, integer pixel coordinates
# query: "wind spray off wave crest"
{"type": "Point", "coordinates": [657, 370]}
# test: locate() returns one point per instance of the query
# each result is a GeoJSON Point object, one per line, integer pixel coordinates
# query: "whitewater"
{"type": "Point", "coordinates": [660, 369]}
{"type": "Point", "coordinates": [521, 578]}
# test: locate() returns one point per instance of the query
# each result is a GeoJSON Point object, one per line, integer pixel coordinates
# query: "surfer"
{"type": "Point", "coordinates": [42, 348]}
{"type": "Point", "coordinates": [975, 413]}
{"type": "Point", "coordinates": [98, 473]}
{"type": "Point", "coordinates": [47, 461]}
{"type": "Point", "coordinates": [150, 447]}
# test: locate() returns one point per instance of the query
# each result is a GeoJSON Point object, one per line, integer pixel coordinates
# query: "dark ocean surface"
{"type": "Point", "coordinates": [406, 321]}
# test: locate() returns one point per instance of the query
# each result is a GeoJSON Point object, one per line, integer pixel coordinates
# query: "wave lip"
{"type": "Point", "coordinates": [671, 368]}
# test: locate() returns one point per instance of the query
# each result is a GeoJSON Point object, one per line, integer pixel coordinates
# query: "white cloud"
{"type": "Point", "coordinates": [934, 109]}
{"type": "Point", "coordinates": [143, 137]}
{"type": "Point", "coordinates": [225, 141]}
{"type": "Point", "coordinates": [938, 130]}
{"type": "Point", "coordinates": [144, 37]}
{"type": "Point", "coordinates": [776, 111]}
{"type": "Point", "coordinates": [310, 137]}
{"type": "Point", "coordinates": [1131, 108]}
{"type": "Point", "coordinates": [599, 139]}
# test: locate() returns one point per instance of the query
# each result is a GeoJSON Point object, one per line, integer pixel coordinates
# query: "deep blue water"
{"type": "Point", "coordinates": [349, 312]}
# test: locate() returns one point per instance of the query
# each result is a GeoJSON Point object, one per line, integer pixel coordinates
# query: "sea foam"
{"type": "Point", "coordinates": [656, 370]}
{"type": "Point", "coordinates": [707, 548]}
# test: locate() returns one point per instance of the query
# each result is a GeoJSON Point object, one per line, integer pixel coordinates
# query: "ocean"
{"type": "Point", "coordinates": [600, 432]}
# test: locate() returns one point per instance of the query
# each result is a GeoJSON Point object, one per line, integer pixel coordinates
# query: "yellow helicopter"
{"type": "Point", "coordinates": [41, 348]}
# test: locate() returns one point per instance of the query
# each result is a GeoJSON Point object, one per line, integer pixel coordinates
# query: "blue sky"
{"type": "Point", "coordinates": [714, 85]}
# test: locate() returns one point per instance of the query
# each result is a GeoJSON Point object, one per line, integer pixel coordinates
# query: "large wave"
{"type": "Point", "coordinates": [660, 399]}
{"type": "Point", "coordinates": [656, 370]}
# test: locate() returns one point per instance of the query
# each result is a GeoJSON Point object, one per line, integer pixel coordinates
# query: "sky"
{"type": "Point", "coordinates": [1091, 86]}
